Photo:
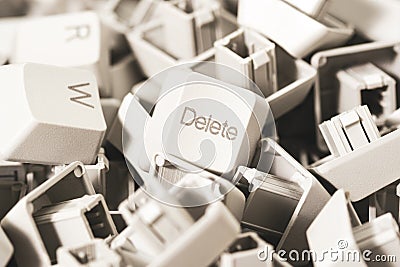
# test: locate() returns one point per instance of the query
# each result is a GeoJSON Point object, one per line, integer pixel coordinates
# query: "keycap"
{"type": "Point", "coordinates": [193, 123]}
{"type": "Point", "coordinates": [375, 20]}
{"type": "Point", "coordinates": [62, 211]}
{"type": "Point", "coordinates": [312, 198]}
{"type": "Point", "coordinates": [217, 224]}
{"type": "Point", "coordinates": [154, 43]}
{"type": "Point", "coordinates": [380, 236]}
{"type": "Point", "coordinates": [358, 151]}
{"type": "Point", "coordinates": [296, 32]}
{"type": "Point", "coordinates": [75, 221]}
{"type": "Point", "coordinates": [55, 116]}
{"type": "Point", "coordinates": [252, 55]}
{"type": "Point", "coordinates": [159, 229]}
{"type": "Point", "coordinates": [67, 40]}
{"type": "Point", "coordinates": [342, 72]}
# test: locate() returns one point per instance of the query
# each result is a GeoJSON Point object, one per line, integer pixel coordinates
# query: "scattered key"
{"type": "Point", "coordinates": [199, 133]}
{"type": "Point", "coordinates": [57, 116]}
{"type": "Point", "coordinates": [68, 40]}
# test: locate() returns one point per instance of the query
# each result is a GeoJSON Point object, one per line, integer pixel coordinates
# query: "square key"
{"type": "Point", "coordinates": [55, 116]}
{"type": "Point", "coordinates": [68, 40]}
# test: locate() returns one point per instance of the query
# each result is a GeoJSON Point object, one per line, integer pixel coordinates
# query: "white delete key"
{"type": "Point", "coordinates": [213, 125]}
{"type": "Point", "coordinates": [51, 115]}
{"type": "Point", "coordinates": [70, 40]}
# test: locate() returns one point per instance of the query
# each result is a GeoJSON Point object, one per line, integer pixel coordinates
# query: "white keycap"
{"type": "Point", "coordinates": [291, 29]}
{"type": "Point", "coordinates": [189, 22]}
{"type": "Point", "coordinates": [51, 115]}
{"type": "Point", "coordinates": [358, 151]}
{"type": "Point", "coordinates": [374, 20]}
{"type": "Point", "coordinates": [250, 54]}
{"type": "Point", "coordinates": [195, 123]}
{"type": "Point", "coordinates": [70, 40]}
{"type": "Point", "coordinates": [34, 244]}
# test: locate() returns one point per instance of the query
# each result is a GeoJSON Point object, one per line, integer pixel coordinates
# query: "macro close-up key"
{"type": "Point", "coordinates": [57, 116]}
{"type": "Point", "coordinates": [201, 133]}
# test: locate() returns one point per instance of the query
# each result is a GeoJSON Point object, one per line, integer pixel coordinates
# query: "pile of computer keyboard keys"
{"type": "Point", "coordinates": [148, 133]}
